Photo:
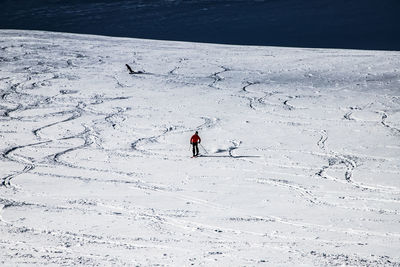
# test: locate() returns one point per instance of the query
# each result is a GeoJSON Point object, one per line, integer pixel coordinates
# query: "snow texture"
{"type": "Point", "coordinates": [303, 161]}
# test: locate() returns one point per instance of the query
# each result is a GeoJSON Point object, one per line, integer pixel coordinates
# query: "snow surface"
{"type": "Point", "coordinates": [303, 161]}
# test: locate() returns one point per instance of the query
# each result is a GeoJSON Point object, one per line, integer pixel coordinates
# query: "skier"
{"type": "Point", "coordinates": [194, 141]}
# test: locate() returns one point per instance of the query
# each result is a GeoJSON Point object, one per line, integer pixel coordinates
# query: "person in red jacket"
{"type": "Point", "coordinates": [194, 141]}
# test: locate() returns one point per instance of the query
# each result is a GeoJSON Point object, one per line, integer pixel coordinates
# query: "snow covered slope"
{"type": "Point", "coordinates": [303, 161]}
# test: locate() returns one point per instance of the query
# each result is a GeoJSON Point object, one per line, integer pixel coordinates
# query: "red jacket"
{"type": "Point", "coordinates": [195, 139]}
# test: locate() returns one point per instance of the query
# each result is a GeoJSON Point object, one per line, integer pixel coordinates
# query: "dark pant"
{"type": "Point", "coordinates": [195, 149]}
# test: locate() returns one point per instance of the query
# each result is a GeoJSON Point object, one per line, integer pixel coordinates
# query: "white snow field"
{"type": "Point", "coordinates": [302, 164]}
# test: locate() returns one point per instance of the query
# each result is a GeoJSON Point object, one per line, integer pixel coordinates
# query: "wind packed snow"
{"type": "Point", "coordinates": [303, 162]}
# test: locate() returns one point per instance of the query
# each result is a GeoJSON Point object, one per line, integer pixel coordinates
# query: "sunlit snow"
{"type": "Point", "coordinates": [302, 163]}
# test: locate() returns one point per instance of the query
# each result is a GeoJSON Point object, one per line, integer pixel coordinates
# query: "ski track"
{"type": "Point", "coordinates": [28, 164]}
{"type": "Point", "coordinates": [275, 219]}
{"type": "Point", "coordinates": [307, 195]}
{"type": "Point", "coordinates": [209, 123]}
{"type": "Point", "coordinates": [350, 163]}
{"type": "Point", "coordinates": [384, 123]}
{"type": "Point", "coordinates": [335, 159]}
{"type": "Point", "coordinates": [36, 131]}
{"type": "Point", "coordinates": [216, 76]}
{"type": "Point", "coordinates": [190, 216]}
{"type": "Point", "coordinates": [322, 140]}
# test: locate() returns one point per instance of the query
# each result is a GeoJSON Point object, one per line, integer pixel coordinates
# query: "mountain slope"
{"type": "Point", "coordinates": [302, 164]}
